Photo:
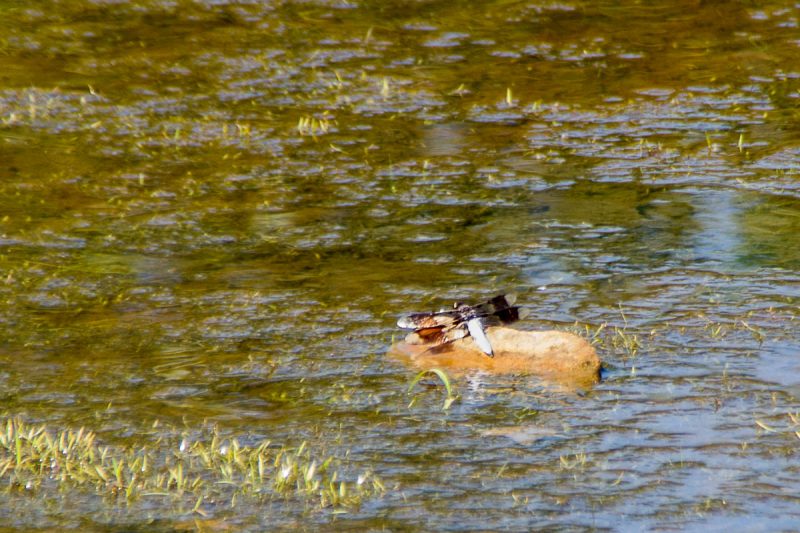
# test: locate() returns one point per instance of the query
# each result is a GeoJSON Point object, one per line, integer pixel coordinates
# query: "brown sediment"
{"type": "Point", "coordinates": [556, 355]}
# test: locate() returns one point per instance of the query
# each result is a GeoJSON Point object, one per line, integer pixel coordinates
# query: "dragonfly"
{"type": "Point", "coordinates": [464, 320]}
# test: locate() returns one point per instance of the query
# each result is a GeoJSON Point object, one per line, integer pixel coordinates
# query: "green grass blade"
{"type": "Point", "coordinates": [442, 375]}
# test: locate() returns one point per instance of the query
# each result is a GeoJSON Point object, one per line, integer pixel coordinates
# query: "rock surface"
{"type": "Point", "coordinates": [552, 354]}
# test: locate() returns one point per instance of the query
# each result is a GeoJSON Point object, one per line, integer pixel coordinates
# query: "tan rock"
{"type": "Point", "coordinates": [557, 355]}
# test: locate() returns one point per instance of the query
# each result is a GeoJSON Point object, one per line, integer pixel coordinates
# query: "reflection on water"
{"type": "Point", "coordinates": [718, 238]}
{"type": "Point", "coordinates": [213, 213]}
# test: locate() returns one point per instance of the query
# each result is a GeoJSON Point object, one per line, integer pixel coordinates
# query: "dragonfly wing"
{"type": "Point", "coordinates": [500, 309]}
{"type": "Point", "coordinates": [426, 320]}
{"type": "Point", "coordinates": [454, 332]}
{"type": "Point", "coordinates": [435, 335]}
{"type": "Point", "coordinates": [476, 330]}
{"type": "Point", "coordinates": [504, 300]}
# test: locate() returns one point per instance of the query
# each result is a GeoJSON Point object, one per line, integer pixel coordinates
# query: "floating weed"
{"type": "Point", "coordinates": [719, 330]}
{"type": "Point", "coordinates": [765, 427]}
{"type": "Point", "coordinates": [35, 458]}
{"type": "Point", "coordinates": [795, 418]}
{"type": "Point", "coordinates": [716, 330]}
{"type": "Point", "coordinates": [577, 461]}
{"type": "Point", "coordinates": [593, 336]}
{"type": "Point", "coordinates": [615, 338]}
{"type": "Point", "coordinates": [308, 125]}
{"type": "Point", "coordinates": [776, 427]}
{"type": "Point", "coordinates": [627, 342]}
{"type": "Point", "coordinates": [757, 334]}
{"type": "Point", "coordinates": [442, 375]}
{"type": "Point", "coordinates": [385, 90]}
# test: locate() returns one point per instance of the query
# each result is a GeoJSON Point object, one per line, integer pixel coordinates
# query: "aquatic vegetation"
{"type": "Point", "coordinates": [778, 425]}
{"type": "Point", "coordinates": [313, 126]}
{"type": "Point", "coordinates": [442, 375]}
{"type": "Point", "coordinates": [626, 342]}
{"type": "Point", "coordinates": [37, 459]}
{"type": "Point", "coordinates": [617, 339]}
{"type": "Point", "coordinates": [572, 462]}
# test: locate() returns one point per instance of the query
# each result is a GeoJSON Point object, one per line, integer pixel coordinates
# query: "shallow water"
{"type": "Point", "coordinates": [213, 214]}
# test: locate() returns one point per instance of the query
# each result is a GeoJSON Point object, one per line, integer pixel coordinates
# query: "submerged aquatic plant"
{"type": "Point", "coordinates": [36, 458]}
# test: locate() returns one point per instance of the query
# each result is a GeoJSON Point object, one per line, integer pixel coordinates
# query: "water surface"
{"type": "Point", "coordinates": [212, 213]}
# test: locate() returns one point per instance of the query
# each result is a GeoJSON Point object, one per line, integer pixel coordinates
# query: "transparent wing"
{"type": "Point", "coordinates": [476, 330]}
